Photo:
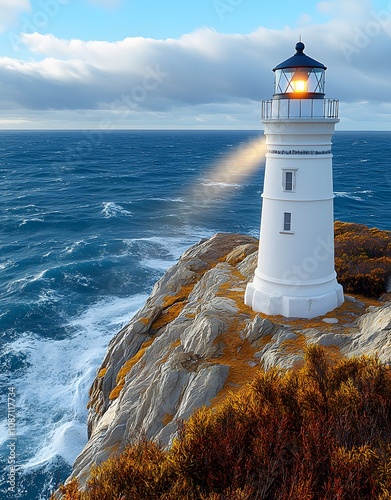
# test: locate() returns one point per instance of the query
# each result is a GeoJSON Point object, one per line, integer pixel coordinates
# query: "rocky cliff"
{"type": "Point", "coordinates": [195, 340]}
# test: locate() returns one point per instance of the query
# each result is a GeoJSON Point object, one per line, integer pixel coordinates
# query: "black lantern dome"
{"type": "Point", "coordinates": [299, 77]}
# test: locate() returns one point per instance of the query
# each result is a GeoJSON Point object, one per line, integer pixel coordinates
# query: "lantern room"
{"type": "Point", "coordinates": [299, 90]}
{"type": "Point", "coordinates": [299, 77]}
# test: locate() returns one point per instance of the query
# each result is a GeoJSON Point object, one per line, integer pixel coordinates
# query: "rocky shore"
{"type": "Point", "coordinates": [195, 340]}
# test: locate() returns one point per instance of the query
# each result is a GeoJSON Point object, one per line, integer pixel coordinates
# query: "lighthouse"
{"type": "Point", "coordinates": [295, 274]}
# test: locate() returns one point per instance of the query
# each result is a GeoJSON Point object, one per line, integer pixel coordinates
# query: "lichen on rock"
{"type": "Point", "coordinates": [195, 340]}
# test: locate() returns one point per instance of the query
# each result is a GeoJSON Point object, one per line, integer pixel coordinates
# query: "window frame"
{"type": "Point", "coordinates": [287, 223]}
{"type": "Point", "coordinates": [286, 171]}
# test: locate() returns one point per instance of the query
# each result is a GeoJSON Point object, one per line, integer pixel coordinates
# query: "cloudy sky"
{"type": "Point", "coordinates": [111, 64]}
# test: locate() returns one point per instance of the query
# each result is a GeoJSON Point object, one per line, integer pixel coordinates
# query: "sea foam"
{"type": "Point", "coordinates": [111, 209]}
{"type": "Point", "coordinates": [52, 393]}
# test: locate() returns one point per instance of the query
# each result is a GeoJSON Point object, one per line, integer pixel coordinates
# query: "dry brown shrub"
{"type": "Point", "coordinates": [362, 258]}
{"type": "Point", "coordinates": [320, 432]}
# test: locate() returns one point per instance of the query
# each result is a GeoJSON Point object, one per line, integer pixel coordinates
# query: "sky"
{"type": "Point", "coordinates": [184, 64]}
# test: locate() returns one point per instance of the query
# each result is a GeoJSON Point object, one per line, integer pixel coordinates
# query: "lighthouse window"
{"type": "Point", "coordinates": [288, 180]}
{"type": "Point", "coordinates": [287, 221]}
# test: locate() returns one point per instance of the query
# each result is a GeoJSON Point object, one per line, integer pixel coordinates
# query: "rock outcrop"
{"type": "Point", "coordinates": [195, 340]}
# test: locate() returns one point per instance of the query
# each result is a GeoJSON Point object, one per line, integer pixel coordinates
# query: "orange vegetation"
{"type": "Point", "coordinates": [362, 258]}
{"type": "Point", "coordinates": [346, 314]}
{"type": "Point", "coordinates": [296, 345]}
{"type": "Point", "coordinates": [167, 419]}
{"type": "Point", "coordinates": [126, 367]}
{"type": "Point", "coordinates": [180, 296]}
{"type": "Point", "coordinates": [168, 315]}
{"type": "Point", "coordinates": [320, 432]}
{"type": "Point", "coordinates": [237, 352]}
{"type": "Point", "coordinates": [173, 306]}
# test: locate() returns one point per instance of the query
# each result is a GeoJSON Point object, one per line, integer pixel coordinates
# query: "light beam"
{"type": "Point", "coordinates": [229, 172]}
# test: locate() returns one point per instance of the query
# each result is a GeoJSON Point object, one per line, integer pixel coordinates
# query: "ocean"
{"type": "Point", "coordinates": [89, 222]}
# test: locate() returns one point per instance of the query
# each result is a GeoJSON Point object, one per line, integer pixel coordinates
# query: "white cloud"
{"type": "Point", "coordinates": [199, 78]}
{"type": "Point", "coordinates": [10, 10]}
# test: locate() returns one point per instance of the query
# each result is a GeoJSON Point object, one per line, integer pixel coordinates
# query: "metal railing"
{"type": "Point", "coordinates": [299, 108]}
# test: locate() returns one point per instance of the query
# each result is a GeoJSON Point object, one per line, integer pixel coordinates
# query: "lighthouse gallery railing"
{"type": "Point", "coordinates": [299, 108]}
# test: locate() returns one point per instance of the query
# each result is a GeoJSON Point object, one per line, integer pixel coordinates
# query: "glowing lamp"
{"type": "Point", "coordinates": [299, 82]}
{"type": "Point", "coordinates": [299, 76]}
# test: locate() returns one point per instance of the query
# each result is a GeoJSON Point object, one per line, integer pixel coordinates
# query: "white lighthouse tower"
{"type": "Point", "coordinates": [295, 276]}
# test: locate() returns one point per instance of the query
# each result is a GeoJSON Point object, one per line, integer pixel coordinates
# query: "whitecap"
{"type": "Point", "coordinates": [111, 209]}
{"type": "Point", "coordinates": [71, 248]}
{"type": "Point", "coordinates": [344, 194]}
{"type": "Point", "coordinates": [34, 219]}
{"type": "Point", "coordinates": [64, 441]}
{"type": "Point", "coordinates": [220, 184]}
{"type": "Point", "coordinates": [173, 200]}
{"type": "Point", "coordinates": [171, 247]}
{"type": "Point", "coordinates": [6, 264]}
{"type": "Point", "coordinates": [157, 264]}
{"type": "Point", "coordinates": [3, 431]}
{"type": "Point", "coordinates": [21, 283]}
{"type": "Point", "coordinates": [78, 278]}
{"type": "Point", "coordinates": [52, 393]}
{"type": "Point", "coordinates": [47, 296]}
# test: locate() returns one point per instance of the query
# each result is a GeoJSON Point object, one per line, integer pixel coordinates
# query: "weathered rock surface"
{"type": "Point", "coordinates": [374, 336]}
{"type": "Point", "coordinates": [194, 340]}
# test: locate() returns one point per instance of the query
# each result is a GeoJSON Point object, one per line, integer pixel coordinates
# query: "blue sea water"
{"type": "Point", "coordinates": [88, 222]}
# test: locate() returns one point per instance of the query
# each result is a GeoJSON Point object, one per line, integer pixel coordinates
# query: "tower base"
{"type": "Point", "coordinates": [293, 307]}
